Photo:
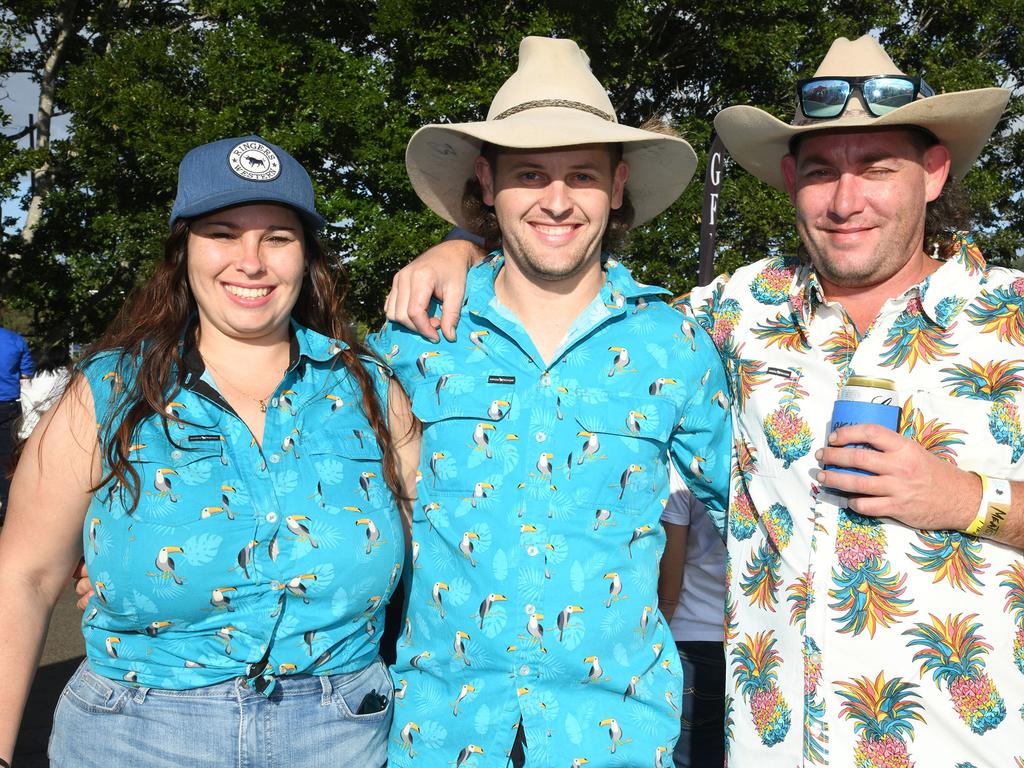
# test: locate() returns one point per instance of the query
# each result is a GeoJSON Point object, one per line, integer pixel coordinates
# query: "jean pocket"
{"type": "Point", "coordinates": [351, 689]}
{"type": "Point", "coordinates": [95, 694]}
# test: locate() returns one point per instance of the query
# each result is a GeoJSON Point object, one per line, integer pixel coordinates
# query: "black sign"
{"type": "Point", "coordinates": [709, 212]}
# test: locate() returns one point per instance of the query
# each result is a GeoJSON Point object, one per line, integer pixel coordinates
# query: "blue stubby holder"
{"type": "Point", "coordinates": [847, 412]}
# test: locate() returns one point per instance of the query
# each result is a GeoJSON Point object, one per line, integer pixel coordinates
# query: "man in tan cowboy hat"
{"type": "Point", "coordinates": [868, 619]}
{"type": "Point", "coordinates": [548, 430]}
{"type": "Point", "coordinates": [875, 617]}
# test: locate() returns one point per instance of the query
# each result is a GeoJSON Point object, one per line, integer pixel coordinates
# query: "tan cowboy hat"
{"type": "Point", "coordinates": [962, 120]}
{"type": "Point", "coordinates": [552, 100]}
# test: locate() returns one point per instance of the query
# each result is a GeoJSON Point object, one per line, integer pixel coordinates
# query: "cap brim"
{"type": "Point", "coordinates": [234, 197]}
{"type": "Point", "coordinates": [440, 158]}
{"type": "Point", "coordinates": [962, 121]}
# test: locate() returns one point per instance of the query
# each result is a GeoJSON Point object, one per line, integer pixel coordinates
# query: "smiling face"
{"type": "Point", "coordinates": [860, 202]}
{"type": "Point", "coordinates": [245, 269]}
{"type": "Point", "coordinates": [553, 206]}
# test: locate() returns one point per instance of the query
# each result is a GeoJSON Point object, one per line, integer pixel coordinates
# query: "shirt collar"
{"type": "Point", "coordinates": [304, 343]}
{"type": "Point", "coordinates": [314, 346]}
{"type": "Point", "coordinates": [804, 291]}
{"type": "Point", "coordinates": [953, 285]}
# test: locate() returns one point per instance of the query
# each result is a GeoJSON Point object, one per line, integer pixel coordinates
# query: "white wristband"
{"type": "Point", "coordinates": [996, 499]}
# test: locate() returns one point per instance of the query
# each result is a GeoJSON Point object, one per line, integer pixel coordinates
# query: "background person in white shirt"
{"type": "Point", "coordinates": [691, 596]}
{"type": "Point", "coordinates": [40, 392]}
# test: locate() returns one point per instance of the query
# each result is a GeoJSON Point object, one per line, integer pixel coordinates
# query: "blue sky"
{"type": "Point", "coordinates": [19, 97]}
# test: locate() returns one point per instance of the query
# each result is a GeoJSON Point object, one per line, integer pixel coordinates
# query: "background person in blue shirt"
{"type": "Point", "coordinates": [548, 427]}
{"type": "Point", "coordinates": [222, 458]}
{"type": "Point", "coordinates": [15, 367]}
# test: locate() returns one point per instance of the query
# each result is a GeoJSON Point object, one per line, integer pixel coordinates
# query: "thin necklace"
{"type": "Point", "coordinates": [262, 401]}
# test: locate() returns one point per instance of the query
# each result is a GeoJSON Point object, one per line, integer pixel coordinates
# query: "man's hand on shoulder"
{"type": "Point", "coordinates": [439, 272]}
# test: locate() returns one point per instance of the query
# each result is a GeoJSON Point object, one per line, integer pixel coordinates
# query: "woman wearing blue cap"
{"type": "Point", "coordinates": [223, 459]}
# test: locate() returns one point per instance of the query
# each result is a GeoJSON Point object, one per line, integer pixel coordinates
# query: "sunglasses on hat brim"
{"type": "Point", "coordinates": [822, 98]}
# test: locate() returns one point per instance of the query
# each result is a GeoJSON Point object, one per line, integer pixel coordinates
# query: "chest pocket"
{"type": "Point", "coordinates": [179, 484]}
{"type": "Point", "coordinates": [777, 425]}
{"type": "Point", "coordinates": [982, 435]}
{"type": "Point", "coordinates": [348, 468]}
{"type": "Point", "coordinates": [622, 450]}
{"type": "Point", "coordinates": [466, 439]}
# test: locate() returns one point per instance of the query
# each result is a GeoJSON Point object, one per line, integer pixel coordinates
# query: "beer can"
{"type": "Point", "coordinates": [863, 389]}
{"type": "Point", "coordinates": [865, 400]}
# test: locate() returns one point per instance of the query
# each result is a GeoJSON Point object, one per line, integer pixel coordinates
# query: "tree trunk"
{"type": "Point", "coordinates": [42, 176]}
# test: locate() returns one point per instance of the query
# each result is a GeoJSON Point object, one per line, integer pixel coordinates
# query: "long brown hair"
{"type": "Point", "coordinates": [147, 335]}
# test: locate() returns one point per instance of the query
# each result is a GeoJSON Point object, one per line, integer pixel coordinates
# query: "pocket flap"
{"type": "Point", "coordinates": [642, 416]}
{"type": "Point", "coordinates": [155, 449]}
{"type": "Point", "coordinates": [455, 396]}
{"type": "Point", "coordinates": [362, 446]}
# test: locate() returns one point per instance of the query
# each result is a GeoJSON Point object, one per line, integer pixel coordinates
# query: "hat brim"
{"type": "Point", "coordinates": [440, 158]}
{"type": "Point", "coordinates": [962, 121]}
{"type": "Point", "coordinates": [233, 197]}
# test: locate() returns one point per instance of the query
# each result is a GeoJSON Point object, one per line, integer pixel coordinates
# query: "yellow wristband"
{"type": "Point", "coordinates": [979, 519]}
{"type": "Point", "coordinates": [996, 499]}
{"type": "Point", "coordinates": [999, 502]}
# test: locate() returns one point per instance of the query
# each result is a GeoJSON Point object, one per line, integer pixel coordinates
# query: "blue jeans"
{"type": "Point", "coordinates": [702, 738]}
{"type": "Point", "coordinates": [306, 722]}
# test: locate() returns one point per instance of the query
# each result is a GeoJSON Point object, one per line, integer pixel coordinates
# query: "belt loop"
{"type": "Point", "coordinates": [139, 694]}
{"type": "Point", "coordinates": [326, 690]}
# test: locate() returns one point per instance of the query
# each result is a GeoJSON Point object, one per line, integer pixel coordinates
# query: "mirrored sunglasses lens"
{"type": "Point", "coordinates": [884, 94]}
{"type": "Point", "coordinates": [824, 98]}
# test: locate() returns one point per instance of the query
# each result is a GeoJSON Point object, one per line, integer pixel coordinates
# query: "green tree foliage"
{"type": "Point", "coordinates": [343, 85]}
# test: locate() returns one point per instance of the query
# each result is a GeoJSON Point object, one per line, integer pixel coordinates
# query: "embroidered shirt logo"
{"type": "Point", "coordinates": [254, 161]}
{"type": "Point", "coordinates": [785, 373]}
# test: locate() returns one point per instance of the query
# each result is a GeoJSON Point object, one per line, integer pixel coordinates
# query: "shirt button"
{"type": "Point", "coordinates": [274, 458]}
{"type": "Point", "coordinates": [540, 437]}
{"type": "Point", "coordinates": [175, 454]}
{"type": "Point", "coordinates": [274, 402]}
{"type": "Point", "coordinates": [271, 517]}
{"type": "Point", "coordinates": [545, 379]}
{"type": "Point", "coordinates": [524, 670]}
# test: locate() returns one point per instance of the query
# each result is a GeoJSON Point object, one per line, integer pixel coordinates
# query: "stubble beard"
{"type": "Point", "coordinates": [536, 268]}
{"type": "Point", "coordinates": [851, 270]}
{"type": "Point", "coordinates": [540, 267]}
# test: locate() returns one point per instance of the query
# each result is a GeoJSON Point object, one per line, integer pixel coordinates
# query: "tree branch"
{"type": "Point", "coordinates": [42, 177]}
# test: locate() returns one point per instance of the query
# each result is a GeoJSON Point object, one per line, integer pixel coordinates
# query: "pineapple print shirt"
{"type": "Point", "coordinates": [854, 641]}
{"type": "Point", "coordinates": [536, 536]}
{"type": "Point", "coordinates": [242, 562]}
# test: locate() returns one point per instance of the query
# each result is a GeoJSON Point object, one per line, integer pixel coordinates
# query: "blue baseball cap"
{"type": "Point", "coordinates": [247, 169]}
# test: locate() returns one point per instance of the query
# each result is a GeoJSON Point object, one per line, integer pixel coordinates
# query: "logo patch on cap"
{"type": "Point", "coordinates": [254, 161]}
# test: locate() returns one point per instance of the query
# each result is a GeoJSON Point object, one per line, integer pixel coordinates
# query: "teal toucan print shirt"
{"type": "Point", "coordinates": [241, 561]}
{"type": "Point", "coordinates": [536, 536]}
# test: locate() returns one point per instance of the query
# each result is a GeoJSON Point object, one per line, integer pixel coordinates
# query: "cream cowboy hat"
{"type": "Point", "coordinates": [552, 100]}
{"type": "Point", "coordinates": [962, 120]}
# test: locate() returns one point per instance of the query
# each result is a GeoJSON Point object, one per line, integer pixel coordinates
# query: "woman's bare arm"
{"type": "Point", "coordinates": [42, 541]}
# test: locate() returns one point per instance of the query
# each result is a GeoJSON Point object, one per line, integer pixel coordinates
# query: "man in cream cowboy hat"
{"type": "Point", "coordinates": [548, 428]}
{"type": "Point", "coordinates": [873, 618]}
{"type": "Point", "coordinates": [874, 613]}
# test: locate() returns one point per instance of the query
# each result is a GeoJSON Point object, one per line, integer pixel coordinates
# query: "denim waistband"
{"type": "Point", "coordinates": [238, 688]}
